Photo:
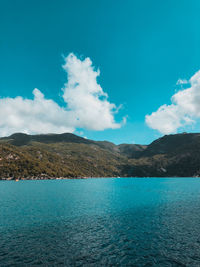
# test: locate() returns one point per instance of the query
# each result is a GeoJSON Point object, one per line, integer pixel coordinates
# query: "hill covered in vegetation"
{"type": "Point", "coordinates": [67, 155]}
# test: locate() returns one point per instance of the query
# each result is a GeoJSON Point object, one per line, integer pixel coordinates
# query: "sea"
{"type": "Point", "coordinates": [100, 222]}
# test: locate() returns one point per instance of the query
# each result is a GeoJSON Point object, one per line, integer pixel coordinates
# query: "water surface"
{"type": "Point", "coordinates": [100, 222]}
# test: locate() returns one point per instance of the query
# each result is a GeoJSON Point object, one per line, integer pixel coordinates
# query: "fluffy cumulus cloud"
{"type": "Point", "coordinates": [184, 110]}
{"type": "Point", "coordinates": [87, 105]}
{"type": "Point", "coordinates": [85, 98]}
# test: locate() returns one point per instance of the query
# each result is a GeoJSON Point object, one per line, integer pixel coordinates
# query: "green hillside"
{"type": "Point", "coordinates": [66, 155]}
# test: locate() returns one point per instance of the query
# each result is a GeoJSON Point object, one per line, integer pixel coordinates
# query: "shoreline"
{"type": "Point", "coordinates": [83, 178]}
{"type": "Point", "coordinates": [58, 178]}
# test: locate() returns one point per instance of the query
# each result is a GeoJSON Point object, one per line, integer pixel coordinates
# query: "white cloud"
{"type": "Point", "coordinates": [87, 106]}
{"type": "Point", "coordinates": [180, 81]}
{"type": "Point", "coordinates": [33, 116]}
{"type": "Point", "coordinates": [85, 98]}
{"type": "Point", "coordinates": [184, 110]}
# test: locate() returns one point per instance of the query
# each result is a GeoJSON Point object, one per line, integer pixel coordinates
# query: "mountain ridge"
{"type": "Point", "coordinates": [49, 156]}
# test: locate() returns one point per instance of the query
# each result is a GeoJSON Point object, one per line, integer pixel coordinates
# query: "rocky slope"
{"type": "Point", "coordinates": [66, 155]}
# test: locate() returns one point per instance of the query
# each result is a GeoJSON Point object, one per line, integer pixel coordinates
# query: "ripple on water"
{"type": "Point", "coordinates": [158, 233]}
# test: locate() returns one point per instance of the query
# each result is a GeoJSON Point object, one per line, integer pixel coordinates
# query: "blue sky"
{"type": "Point", "coordinates": [142, 48]}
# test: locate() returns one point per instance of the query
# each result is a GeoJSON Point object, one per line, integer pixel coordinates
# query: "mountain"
{"type": "Point", "coordinates": [48, 156]}
{"type": "Point", "coordinates": [169, 156]}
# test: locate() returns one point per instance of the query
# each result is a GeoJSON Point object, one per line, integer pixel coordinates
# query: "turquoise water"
{"type": "Point", "coordinates": [100, 222]}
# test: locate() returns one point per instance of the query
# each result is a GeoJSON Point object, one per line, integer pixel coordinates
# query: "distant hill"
{"type": "Point", "coordinates": [20, 139]}
{"type": "Point", "coordinates": [49, 156]}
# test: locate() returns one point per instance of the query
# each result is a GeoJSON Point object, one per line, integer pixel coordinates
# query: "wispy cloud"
{"type": "Point", "coordinates": [180, 81]}
{"type": "Point", "coordinates": [184, 110]}
{"type": "Point", "coordinates": [87, 105]}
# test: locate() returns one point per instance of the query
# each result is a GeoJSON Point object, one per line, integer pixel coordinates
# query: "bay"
{"type": "Point", "coordinates": [100, 222]}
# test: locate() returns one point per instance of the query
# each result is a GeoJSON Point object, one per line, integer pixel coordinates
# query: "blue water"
{"type": "Point", "coordinates": [100, 222]}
